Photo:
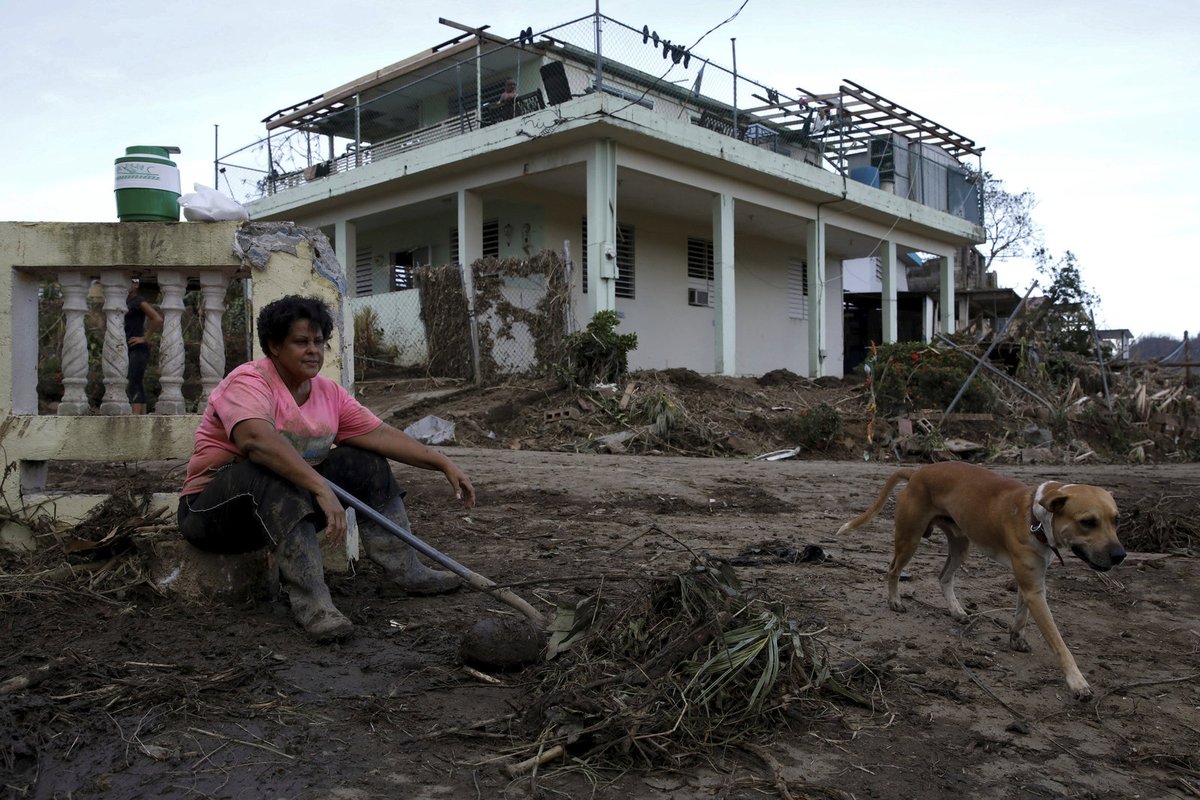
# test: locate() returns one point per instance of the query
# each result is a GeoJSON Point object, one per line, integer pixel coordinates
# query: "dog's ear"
{"type": "Point", "coordinates": [1056, 503]}
{"type": "Point", "coordinates": [1054, 500]}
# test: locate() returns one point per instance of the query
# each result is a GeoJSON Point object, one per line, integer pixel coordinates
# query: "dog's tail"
{"type": "Point", "coordinates": [866, 516]}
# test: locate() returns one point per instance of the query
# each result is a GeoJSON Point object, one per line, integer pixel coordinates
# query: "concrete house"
{"type": "Point", "coordinates": [712, 212]}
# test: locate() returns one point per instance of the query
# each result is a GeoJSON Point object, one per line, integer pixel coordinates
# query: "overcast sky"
{"type": "Point", "coordinates": [1089, 104]}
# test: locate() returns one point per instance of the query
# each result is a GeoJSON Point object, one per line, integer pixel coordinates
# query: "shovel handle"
{"type": "Point", "coordinates": [473, 579]}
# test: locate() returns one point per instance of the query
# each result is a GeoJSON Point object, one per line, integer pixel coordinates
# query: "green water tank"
{"type": "Point", "coordinates": [147, 185]}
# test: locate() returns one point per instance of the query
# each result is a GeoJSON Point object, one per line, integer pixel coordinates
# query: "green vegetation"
{"type": "Point", "coordinates": [814, 428]}
{"type": "Point", "coordinates": [597, 354]}
{"type": "Point", "coordinates": [908, 376]}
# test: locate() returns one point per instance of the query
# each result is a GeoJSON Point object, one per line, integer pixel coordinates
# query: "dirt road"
{"type": "Point", "coordinates": [151, 698]}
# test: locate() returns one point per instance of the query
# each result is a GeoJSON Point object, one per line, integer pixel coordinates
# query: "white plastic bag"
{"type": "Point", "coordinates": [432, 430]}
{"type": "Point", "coordinates": [209, 205]}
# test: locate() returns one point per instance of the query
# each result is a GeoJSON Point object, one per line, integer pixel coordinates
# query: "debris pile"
{"type": "Point", "coordinates": [697, 664]}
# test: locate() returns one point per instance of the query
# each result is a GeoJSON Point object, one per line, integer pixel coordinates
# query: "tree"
{"type": "Point", "coordinates": [1008, 222]}
{"type": "Point", "coordinates": [1063, 319]}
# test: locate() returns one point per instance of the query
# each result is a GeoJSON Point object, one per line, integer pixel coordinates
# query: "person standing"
{"type": "Point", "coordinates": [140, 320]}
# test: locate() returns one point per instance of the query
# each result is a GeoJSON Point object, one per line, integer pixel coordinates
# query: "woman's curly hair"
{"type": "Point", "coordinates": [276, 318]}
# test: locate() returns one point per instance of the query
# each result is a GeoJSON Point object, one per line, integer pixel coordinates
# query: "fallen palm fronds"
{"type": "Point", "coordinates": [696, 664]}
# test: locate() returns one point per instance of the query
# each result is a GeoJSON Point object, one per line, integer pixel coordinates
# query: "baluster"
{"type": "Point", "coordinates": [74, 346]}
{"type": "Point", "coordinates": [171, 354]}
{"type": "Point", "coordinates": [212, 342]}
{"type": "Point", "coordinates": [116, 349]}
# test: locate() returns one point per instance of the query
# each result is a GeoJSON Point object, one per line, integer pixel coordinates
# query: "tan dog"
{"type": "Point", "coordinates": [1018, 525]}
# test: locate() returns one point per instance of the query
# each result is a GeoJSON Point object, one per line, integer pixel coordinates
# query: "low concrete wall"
{"type": "Point", "coordinates": [279, 259]}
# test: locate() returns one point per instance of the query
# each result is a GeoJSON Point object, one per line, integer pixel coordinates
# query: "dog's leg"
{"type": "Point", "coordinates": [1035, 601]}
{"type": "Point", "coordinates": [957, 546]}
{"type": "Point", "coordinates": [910, 527]}
{"type": "Point", "coordinates": [1016, 633]}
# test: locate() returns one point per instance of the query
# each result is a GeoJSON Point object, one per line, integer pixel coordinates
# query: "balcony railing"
{"type": "Point", "coordinates": [454, 87]}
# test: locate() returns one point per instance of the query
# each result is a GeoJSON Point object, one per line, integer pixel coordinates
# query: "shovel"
{"type": "Point", "coordinates": [473, 579]}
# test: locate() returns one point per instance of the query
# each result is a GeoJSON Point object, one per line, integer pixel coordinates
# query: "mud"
{"type": "Point", "coordinates": [150, 697]}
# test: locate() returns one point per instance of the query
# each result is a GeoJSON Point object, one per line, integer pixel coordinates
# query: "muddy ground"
{"type": "Point", "coordinates": [147, 696]}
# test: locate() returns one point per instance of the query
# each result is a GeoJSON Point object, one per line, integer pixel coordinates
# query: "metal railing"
{"type": "Point", "coordinates": [452, 96]}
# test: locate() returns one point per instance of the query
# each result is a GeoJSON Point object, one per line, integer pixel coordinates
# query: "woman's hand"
{"type": "Point", "coordinates": [463, 490]}
{"type": "Point", "coordinates": [397, 445]}
{"type": "Point", "coordinates": [261, 443]}
{"type": "Point", "coordinates": [335, 516]}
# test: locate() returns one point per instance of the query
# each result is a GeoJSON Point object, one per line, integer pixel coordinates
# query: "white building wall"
{"type": "Point", "coordinates": [861, 275]}
{"type": "Point", "coordinates": [673, 334]}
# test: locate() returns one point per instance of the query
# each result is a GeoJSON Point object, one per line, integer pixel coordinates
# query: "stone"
{"type": "Point", "coordinates": [501, 642]}
{"type": "Point", "coordinates": [17, 538]}
{"type": "Point", "coordinates": [181, 569]}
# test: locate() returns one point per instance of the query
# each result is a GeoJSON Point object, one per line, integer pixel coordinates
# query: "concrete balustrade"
{"type": "Point", "coordinates": [279, 258]}
{"type": "Point", "coordinates": [170, 354]}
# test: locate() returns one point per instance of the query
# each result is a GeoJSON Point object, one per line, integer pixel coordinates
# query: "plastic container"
{"type": "Point", "coordinates": [147, 185]}
{"type": "Point", "coordinates": [867, 175]}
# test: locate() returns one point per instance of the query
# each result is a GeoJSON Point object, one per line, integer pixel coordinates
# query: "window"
{"type": "Point", "coordinates": [402, 276]}
{"type": "Point", "coordinates": [626, 284]}
{"type": "Point", "coordinates": [797, 289]}
{"type": "Point", "coordinates": [363, 279]}
{"type": "Point", "coordinates": [402, 271]}
{"type": "Point", "coordinates": [700, 272]}
{"type": "Point", "coordinates": [491, 240]}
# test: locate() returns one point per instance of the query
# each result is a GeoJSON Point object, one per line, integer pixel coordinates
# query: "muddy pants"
{"type": "Point", "coordinates": [247, 507]}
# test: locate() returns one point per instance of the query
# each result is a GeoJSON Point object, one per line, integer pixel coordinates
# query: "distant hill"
{"type": "Point", "coordinates": [1147, 348]}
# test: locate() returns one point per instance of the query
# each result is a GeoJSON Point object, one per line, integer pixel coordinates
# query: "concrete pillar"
{"type": "Point", "coordinates": [74, 361]}
{"type": "Point", "coordinates": [171, 353]}
{"type": "Point", "coordinates": [115, 355]}
{"type": "Point", "coordinates": [817, 336]}
{"type": "Point", "coordinates": [470, 250]}
{"type": "Point", "coordinates": [723, 272]}
{"type": "Point", "coordinates": [345, 247]}
{"type": "Point", "coordinates": [891, 306]}
{"type": "Point", "coordinates": [947, 297]}
{"type": "Point", "coordinates": [602, 228]}
{"type": "Point", "coordinates": [213, 285]}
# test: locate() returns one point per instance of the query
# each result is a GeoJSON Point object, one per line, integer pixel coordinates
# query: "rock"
{"type": "Point", "coordinates": [183, 570]}
{"type": "Point", "coordinates": [501, 642]}
{"type": "Point", "coordinates": [738, 445]}
{"type": "Point", "coordinates": [179, 568]}
{"type": "Point", "coordinates": [1037, 436]}
{"type": "Point", "coordinates": [1037, 455]}
{"type": "Point", "coordinates": [17, 538]}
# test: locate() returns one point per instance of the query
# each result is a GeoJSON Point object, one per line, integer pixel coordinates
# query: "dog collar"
{"type": "Point", "coordinates": [1042, 525]}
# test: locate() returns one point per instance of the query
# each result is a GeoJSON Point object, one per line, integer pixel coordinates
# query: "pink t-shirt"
{"type": "Point", "coordinates": [254, 390]}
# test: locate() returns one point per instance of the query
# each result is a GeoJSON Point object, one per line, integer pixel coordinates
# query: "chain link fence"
{"type": "Point", "coordinates": [514, 323]}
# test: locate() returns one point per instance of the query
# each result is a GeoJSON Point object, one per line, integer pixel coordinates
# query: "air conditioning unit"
{"type": "Point", "coordinates": [697, 297]}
